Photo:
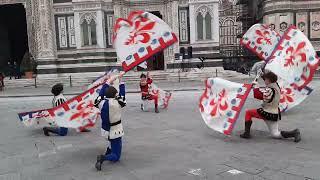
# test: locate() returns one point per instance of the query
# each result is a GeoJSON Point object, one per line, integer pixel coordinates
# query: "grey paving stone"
{"type": "Point", "coordinates": [162, 146]}
{"type": "Point", "coordinates": [271, 175]}
{"type": "Point", "coordinates": [311, 172]}
{"type": "Point", "coordinates": [243, 176]}
{"type": "Point", "coordinates": [10, 176]}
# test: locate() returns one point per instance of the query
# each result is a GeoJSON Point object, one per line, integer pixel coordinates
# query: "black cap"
{"type": "Point", "coordinates": [110, 92]}
{"type": "Point", "coordinates": [57, 89]}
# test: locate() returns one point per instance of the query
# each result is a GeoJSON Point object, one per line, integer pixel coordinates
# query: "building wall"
{"type": "Point", "coordinates": [305, 14]}
{"type": "Point", "coordinates": [75, 54]}
{"type": "Point", "coordinates": [68, 36]}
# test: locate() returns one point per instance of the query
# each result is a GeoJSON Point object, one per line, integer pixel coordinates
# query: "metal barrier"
{"type": "Point", "coordinates": [70, 81]}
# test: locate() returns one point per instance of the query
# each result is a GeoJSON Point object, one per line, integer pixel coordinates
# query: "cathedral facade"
{"type": "Point", "coordinates": [67, 36]}
{"type": "Point", "coordinates": [304, 14]}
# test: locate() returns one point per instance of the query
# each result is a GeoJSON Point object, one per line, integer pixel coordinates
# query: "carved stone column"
{"type": "Point", "coordinates": [100, 29]}
{"type": "Point", "coordinates": [174, 8]}
{"type": "Point", "coordinates": [117, 8]}
{"type": "Point", "coordinates": [45, 33]}
{"type": "Point", "coordinates": [31, 27]}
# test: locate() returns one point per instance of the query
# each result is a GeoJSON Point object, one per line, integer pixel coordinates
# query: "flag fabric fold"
{"type": "Point", "coordinates": [221, 103]}
{"type": "Point", "coordinates": [78, 112]}
{"type": "Point", "coordinates": [294, 59]}
{"type": "Point", "coordinates": [290, 56]}
{"type": "Point", "coordinates": [163, 96]}
{"type": "Point", "coordinates": [139, 37]}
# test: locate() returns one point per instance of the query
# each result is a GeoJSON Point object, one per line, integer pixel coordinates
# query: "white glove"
{"type": "Point", "coordinates": [255, 83]}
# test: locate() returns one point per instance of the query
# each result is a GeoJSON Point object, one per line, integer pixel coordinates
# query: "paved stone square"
{"type": "Point", "coordinates": [172, 145]}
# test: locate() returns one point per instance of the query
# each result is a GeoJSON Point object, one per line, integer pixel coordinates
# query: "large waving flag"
{"type": "Point", "coordinates": [221, 103]}
{"type": "Point", "coordinates": [291, 57]}
{"type": "Point", "coordinates": [36, 118]}
{"type": "Point", "coordinates": [261, 40]}
{"type": "Point", "coordinates": [139, 37]}
{"type": "Point", "coordinates": [294, 59]}
{"type": "Point", "coordinates": [291, 97]}
{"type": "Point", "coordinates": [78, 112]}
{"type": "Point", "coordinates": [163, 96]}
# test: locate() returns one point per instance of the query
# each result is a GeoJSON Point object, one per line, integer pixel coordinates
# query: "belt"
{"type": "Point", "coordinates": [115, 123]}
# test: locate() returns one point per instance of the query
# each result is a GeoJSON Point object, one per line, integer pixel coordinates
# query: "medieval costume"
{"type": "Point", "coordinates": [57, 100]}
{"type": "Point", "coordinates": [269, 110]}
{"type": "Point", "coordinates": [110, 103]}
{"type": "Point", "coordinates": [145, 83]}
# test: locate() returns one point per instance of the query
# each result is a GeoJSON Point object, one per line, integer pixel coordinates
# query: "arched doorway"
{"type": "Point", "coordinates": [13, 34]}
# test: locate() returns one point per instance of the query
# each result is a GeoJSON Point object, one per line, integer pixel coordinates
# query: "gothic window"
{"type": "Point", "coordinates": [183, 25]}
{"type": "Point", "coordinates": [109, 20]}
{"type": "Point", "coordinates": [85, 33]}
{"type": "Point", "coordinates": [200, 26]}
{"type": "Point", "coordinates": [228, 32]}
{"type": "Point", "coordinates": [65, 32]}
{"type": "Point", "coordinates": [88, 31]}
{"type": "Point", "coordinates": [208, 26]}
{"type": "Point", "coordinates": [71, 30]}
{"type": "Point", "coordinates": [62, 32]}
{"type": "Point", "coordinates": [93, 32]}
{"type": "Point", "coordinates": [204, 24]}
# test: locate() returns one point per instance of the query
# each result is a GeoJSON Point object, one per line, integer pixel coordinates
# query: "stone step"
{"type": "Point", "coordinates": [83, 79]}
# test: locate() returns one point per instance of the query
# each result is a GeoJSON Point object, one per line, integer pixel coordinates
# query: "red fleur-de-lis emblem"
{"type": "Point", "coordinates": [294, 54]}
{"type": "Point", "coordinates": [204, 96]}
{"type": "Point", "coordinates": [286, 95]}
{"type": "Point", "coordinates": [219, 104]}
{"type": "Point", "coordinates": [263, 37]}
{"type": "Point", "coordinates": [141, 29]}
{"type": "Point", "coordinates": [84, 110]}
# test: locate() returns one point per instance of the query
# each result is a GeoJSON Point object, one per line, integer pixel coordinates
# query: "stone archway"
{"type": "Point", "coordinates": [13, 33]}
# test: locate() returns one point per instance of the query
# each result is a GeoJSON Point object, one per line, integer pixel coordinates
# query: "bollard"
{"type": "Point", "coordinates": [35, 82]}
{"type": "Point", "coordinates": [216, 72]}
{"type": "Point", "coordinates": [70, 81]}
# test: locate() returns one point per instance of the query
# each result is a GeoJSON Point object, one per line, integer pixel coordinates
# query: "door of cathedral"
{"type": "Point", "coordinates": [13, 34]}
{"type": "Point", "coordinates": [155, 62]}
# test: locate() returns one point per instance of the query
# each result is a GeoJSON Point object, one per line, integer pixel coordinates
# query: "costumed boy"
{"type": "Point", "coordinates": [269, 111]}
{"type": "Point", "coordinates": [110, 103]}
{"type": "Point", "coordinates": [58, 99]}
{"type": "Point", "coordinates": [145, 82]}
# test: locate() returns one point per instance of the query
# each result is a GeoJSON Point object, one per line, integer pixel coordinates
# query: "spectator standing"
{"type": "Point", "coordinates": [1, 81]}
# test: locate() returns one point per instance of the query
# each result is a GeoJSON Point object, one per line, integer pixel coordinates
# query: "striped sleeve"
{"type": "Point", "coordinates": [59, 101]}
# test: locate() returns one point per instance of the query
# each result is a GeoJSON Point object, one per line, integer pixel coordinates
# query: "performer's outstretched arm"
{"type": "Point", "coordinates": [109, 82]}
{"type": "Point", "coordinates": [114, 77]}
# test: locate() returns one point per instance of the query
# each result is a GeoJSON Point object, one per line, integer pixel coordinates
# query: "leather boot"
{"type": "Point", "coordinates": [292, 134]}
{"type": "Point", "coordinates": [246, 134]}
{"type": "Point", "coordinates": [99, 162]}
{"type": "Point", "coordinates": [156, 108]}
